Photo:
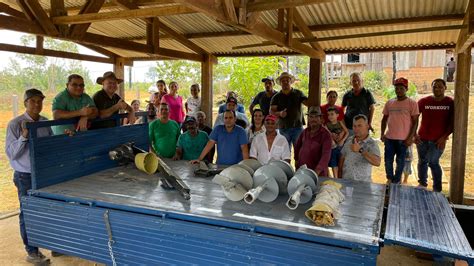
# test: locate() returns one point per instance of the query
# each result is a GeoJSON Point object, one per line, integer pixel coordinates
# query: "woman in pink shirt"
{"type": "Point", "coordinates": [175, 103]}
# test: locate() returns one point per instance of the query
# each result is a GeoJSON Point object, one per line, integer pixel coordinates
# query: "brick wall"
{"type": "Point", "coordinates": [420, 76]}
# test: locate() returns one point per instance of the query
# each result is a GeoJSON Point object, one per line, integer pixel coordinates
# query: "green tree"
{"type": "Point", "coordinates": [245, 74]}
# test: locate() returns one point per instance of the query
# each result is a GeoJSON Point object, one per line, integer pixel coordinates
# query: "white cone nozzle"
{"type": "Point", "coordinates": [266, 190]}
{"type": "Point", "coordinates": [301, 189]}
{"type": "Point", "coordinates": [235, 181]}
{"type": "Point", "coordinates": [268, 182]}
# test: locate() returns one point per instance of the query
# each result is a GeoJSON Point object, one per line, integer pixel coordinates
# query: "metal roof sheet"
{"type": "Point", "coordinates": [335, 12]}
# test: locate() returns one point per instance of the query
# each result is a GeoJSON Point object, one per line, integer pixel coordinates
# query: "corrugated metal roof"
{"type": "Point", "coordinates": [335, 12]}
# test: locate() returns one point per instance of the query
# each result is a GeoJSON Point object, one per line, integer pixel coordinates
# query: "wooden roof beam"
{"type": "Point", "coordinates": [100, 50]}
{"type": "Point", "coordinates": [41, 17]}
{"type": "Point", "coordinates": [91, 6]}
{"type": "Point", "coordinates": [229, 10]}
{"type": "Point", "coordinates": [26, 10]}
{"type": "Point", "coordinates": [353, 36]}
{"type": "Point", "coordinates": [391, 49]}
{"type": "Point", "coordinates": [124, 14]}
{"type": "Point", "coordinates": [4, 8]}
{"type": "Point", "coordinates": [260, 29]}
{"type": "Point", "coordinates": [383, 33]}
{"type": "Point", "coordinates": [277, 4]}
{"type": "Point", "coordinates": [466, 36]}
{"type": "Point", "coordinates": [22, 25]}
{"type": "Point", "coordinates": [53, 53]}
{"type": "Point", "coordinates": [157, 26]}
{"type": "Point", "coordinates": [385, 22]}
{"type": "Point", "coordinates": [339, 26]}
{"type": "Point", "coordinates": [299, 22]}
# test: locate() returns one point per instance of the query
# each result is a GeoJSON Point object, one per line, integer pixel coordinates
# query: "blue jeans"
{"type": "Point", "coordinates": [23, 184]}
{"type": "Point", "coordinates": [394, 148]}
{"type": "Point", "coordinates": [428, 156]}
{"type": "Point", "coordinates": [291, 134]}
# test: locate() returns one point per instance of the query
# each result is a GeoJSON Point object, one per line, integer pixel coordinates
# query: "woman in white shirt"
{"type": "Point", "coordinates": [270, 145]}
{"type": "Point", "coordinates": [257, 126]}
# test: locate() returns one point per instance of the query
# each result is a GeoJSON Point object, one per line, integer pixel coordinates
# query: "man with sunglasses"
{"type": "Point", "coordinates": [73, 102]}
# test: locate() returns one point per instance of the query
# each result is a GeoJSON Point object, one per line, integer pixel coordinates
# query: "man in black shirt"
{"type": "Point", "coordinates": [287, 105]}
{"type": "Point", "coordinates": [358, 101]}
{"type": "Point", "coordinates": [110, 103]}
{"type": "Point", "coordinates": [263, 98]}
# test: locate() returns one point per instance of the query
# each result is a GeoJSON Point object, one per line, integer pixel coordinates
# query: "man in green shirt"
{"type": "Point", "coordinates": [73, 102]}
{"type": "Point", "coordinates": [192, 142]}
{"type": "Point", "coordinates": [164, 133]}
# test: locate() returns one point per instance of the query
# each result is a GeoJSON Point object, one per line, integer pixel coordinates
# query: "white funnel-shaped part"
{"type": "Point", "coordinates": [245, 167]}
{"type": "Point", "coordinates": [285, 166]}
{"type": "Point", "coordinates": [235, 181]}
{"type": "Point", "coordinates": [301, 189]}
{"type": "Point", "coordinates": [266, 189]}
{"type": "Point", "coordinates": [251, 163]}
{"type": "Point", "coordinates": [307, 171]}
{"type": "Point", "coordinates": [276, 173]}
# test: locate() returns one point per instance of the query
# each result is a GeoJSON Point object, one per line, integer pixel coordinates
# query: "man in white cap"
{"type": "Point", "coordinates": [110, 103]}
{"type": "Point", "coordinates": [287, 106]}
{"type": "Point", "coordinates": [17, 150]}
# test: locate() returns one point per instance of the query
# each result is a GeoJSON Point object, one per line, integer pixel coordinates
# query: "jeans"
{"type": "Point", "coordinates": [23, 184]}
{"type": "Point", "coordinates": [291, 134]}
{"type": "Point", "coordinates": [394, 148]}
{"type": "Point", "coordinates": [428, 155]}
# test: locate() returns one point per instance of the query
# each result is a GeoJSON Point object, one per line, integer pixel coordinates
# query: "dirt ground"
{"type": "Point", "coordinates": [14, 254]}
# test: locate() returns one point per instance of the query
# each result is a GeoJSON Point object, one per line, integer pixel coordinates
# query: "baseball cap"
{"type": "Point", "coordinates": [189, 119]}
{"type": "Point", "coordinates": [314, 110]}
{"type": "Point", "coordinates": [402, 81]}
{"type": "Point", "coordinates": [231, 100]}
{"type": "Point", "coordinates": [32, 93]}
{"type": "Point", "coordinates": [268, 79]}
{"type": "Point", "coordinates": [271, 118]}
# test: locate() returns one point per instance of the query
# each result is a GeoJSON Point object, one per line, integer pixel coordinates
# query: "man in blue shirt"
{"type": "Point", "coordinates": [17, 150]}
{"type": "Point", "coordinates": [223, 107]}
{"type": "Point", "coordinates": [231, 142]}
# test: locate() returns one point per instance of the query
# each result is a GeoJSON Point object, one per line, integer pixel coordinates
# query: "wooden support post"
{"type": "Point", "coordinates": [206, 87]}
{"type": "Point", "coordinates": [314, 90]}
{"type": "Point", "coordinates": [119, 70]}
{"type": "Point", "coordinates": [461, 111]}
{"type": "Point", "coordinates": [39, 44]}
{"type": "Point", "coordinates": [289, 27]}
{"type": "Point", "coordinates": [57, 10]}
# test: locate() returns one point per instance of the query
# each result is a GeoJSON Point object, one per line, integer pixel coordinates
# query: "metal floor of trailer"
{"type": "Point", "coordinates": [128, 188]}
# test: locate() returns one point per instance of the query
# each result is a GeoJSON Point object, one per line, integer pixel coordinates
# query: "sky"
{"type": "Point", "coordinates": [139, 68]}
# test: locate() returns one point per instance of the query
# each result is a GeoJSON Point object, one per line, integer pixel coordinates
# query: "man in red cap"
{"type": "Point", "coordinates": [270, 145]}
{"type": "Point", "coordinates": [400, 115]}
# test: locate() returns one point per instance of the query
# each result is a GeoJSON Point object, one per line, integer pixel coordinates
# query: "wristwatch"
{"type": "Point", "coordinates": [361, 150]}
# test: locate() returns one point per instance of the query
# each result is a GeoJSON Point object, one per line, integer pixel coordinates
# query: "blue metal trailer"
{"type": "Point", "coordinates": [83, 204]}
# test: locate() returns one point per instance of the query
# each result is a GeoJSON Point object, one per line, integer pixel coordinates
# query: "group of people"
{"type": "Point", "coordinates": [335, 137]}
